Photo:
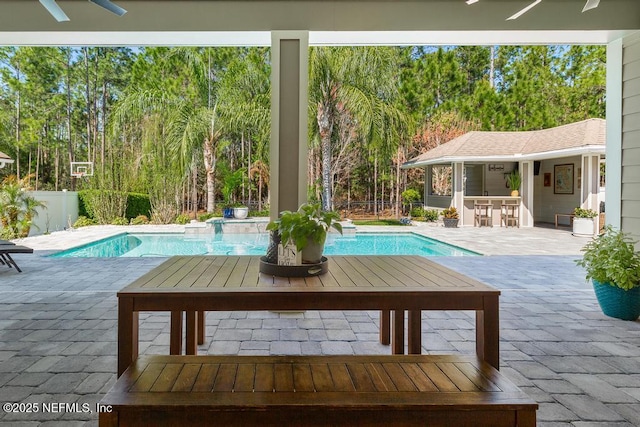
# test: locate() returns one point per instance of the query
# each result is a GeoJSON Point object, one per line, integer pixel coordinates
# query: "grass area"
{"type": "Point", "coordinates": [377, 222]}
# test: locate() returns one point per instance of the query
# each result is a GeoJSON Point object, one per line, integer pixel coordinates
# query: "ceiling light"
{"type": "Point", "coordinates": [591, 4]}
{"type": "Point", "coordinates": [523, 11]}
{"type": "Point", "coordinates": [111, 7]}
{"type": "Point", "coordinates": [55, 10]}
{"type": "Point", "coordinates": [472, 1]}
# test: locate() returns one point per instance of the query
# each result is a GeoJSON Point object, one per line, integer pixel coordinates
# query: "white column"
{"type": "Point", "coordinates": [590, 184]}
{"type": "Point", "coordinates": [526, 211]}
{"type": "Point", "coordinates": [458, 189]}
{"type": "Point", "coordinates": [614, 133]}
{"type": "Point", "coordinates": [289, 104]}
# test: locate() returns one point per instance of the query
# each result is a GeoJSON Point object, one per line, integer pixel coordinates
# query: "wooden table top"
{"type": "Point", "coordinates": [231, 274]}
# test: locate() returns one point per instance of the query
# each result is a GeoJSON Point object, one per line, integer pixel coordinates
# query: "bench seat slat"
{"type": "Point", "coordinates": [412, 390]}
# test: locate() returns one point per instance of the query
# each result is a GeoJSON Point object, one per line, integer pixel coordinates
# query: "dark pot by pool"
{"type": "Point", "coordinates": [616, 302]}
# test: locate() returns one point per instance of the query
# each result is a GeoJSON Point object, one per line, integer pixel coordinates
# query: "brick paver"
{"type": "Point", "coordinates": [58, 331]}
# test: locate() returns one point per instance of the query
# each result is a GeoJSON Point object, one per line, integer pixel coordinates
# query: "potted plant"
{"type": "Point", "coordinates": [450, 217]}
{"type": "Point", "coordinates": [307, 229]}
{"type": "Point", "coordinates": [613, 265]}
{"type": "Point", "coordinates": [583, 222]}
{"type": "Point", "coordinates": [514, 180]}
{"type": "Point", "coordinates": [240, 211]}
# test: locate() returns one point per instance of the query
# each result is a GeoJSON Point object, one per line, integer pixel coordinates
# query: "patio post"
{"type": "Point", "coordinates": [289, 95]}
{"type": "Point", "coordinates": [458, 188]}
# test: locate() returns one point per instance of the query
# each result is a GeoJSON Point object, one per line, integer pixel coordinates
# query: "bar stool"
{"type": "Point", "coordinates": [483, 214]}
{"type": "Point", "coordinates": [510, 214]}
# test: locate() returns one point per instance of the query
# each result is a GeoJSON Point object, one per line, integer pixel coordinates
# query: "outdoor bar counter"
{"type": "Point", "coordinates": [495, 201]}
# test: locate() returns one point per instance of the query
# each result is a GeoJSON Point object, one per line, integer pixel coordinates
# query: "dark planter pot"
{"type": "Point", "coordinates": [616, 302]}
{"type": "Point", "coordinates": [227, 213]}
{"type": "Point", "coordinates": [450, 222]}
{"type": "Point", "coordinates": [272, 249]}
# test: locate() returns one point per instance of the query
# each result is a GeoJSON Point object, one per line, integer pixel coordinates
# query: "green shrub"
{"type": "Point", "coordinates": [182, 219]}
{"type": "Point", "coordinates": [84, 204]}
{"type": "Point", "coordinates": [205, 216]}
{"type": "Point", "coordinates": [417, 212]}
{"type": "Point", "coordinates": [255, 212]}
{"type": "Point", "coordinates": [431, 215]}
{"type": "Point", "coordinates": [83, 221]}
{"type": "Point", "coordinates": [140, 220]}
{"type": "Point", "coordinates": [119, 220]}
{"type": "Point", "coordinates": [138, 204]}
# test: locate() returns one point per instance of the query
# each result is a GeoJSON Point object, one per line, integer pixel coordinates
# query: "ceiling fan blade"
{"type": "Point", "coordinates": [591, 4]}
{"type": "Point", "coordinates": [55, 10]}
{"type": "Point", "coordinates": [111, 7]}
{"type": "Point", "coordinates": [523, 11]}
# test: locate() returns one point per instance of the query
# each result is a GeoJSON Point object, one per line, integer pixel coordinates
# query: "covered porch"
{"type": "Point", "coordinates": [560, 170]}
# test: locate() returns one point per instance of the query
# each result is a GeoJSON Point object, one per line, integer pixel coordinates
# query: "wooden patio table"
{"type": "Point", "coordinates": [395, 284]}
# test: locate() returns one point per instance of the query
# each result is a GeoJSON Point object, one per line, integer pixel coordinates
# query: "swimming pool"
{"type": "Point", "coordinates": [144, 245]}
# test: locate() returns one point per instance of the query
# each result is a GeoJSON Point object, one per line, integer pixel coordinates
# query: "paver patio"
{"type": "Point", "coordinates": [58, 328]}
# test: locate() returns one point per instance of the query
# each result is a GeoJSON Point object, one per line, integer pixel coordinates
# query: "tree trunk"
{"type": "Point", "coordinates": [325, 127]}
{"type": "Point", "coordinates": [209, 167]}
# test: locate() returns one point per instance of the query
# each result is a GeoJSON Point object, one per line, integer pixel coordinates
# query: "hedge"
{"type": "Point", "coordinates": [137, 204]}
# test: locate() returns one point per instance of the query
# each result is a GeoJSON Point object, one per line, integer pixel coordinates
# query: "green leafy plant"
{"type": "Point", "coordinates": [450, 213]}
{"type": "Point", "coordinates": [17, 207]}
{"type": "Point", "coordinates": [83, 221]}
{"type": "Point", "coordinates": [514, 180]}
{"type": "Point", "coordinates": [119, 220]}
{"type": "Point", "coordinates": [182, 219]}
{"type": "Point", "coordinates": [309, 222]}
{"type": "Point", "coordinates": [410, 196]}
{"type": "Point", "coordinates": [611, 258]}
{"type": "Point", "coordinates": [205, 216]}
{"type": "Point", "coordinates": [140, 220]}
{"type": "Point", "coordinates": [430, 215]}
{"type": "Point", "coordinates": [584, 213]}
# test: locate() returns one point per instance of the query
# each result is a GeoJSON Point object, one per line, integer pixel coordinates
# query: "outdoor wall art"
{"type": "Point", "coordinates": [563, 179]}
{"type": "Point", "coordinates": [547, 179]}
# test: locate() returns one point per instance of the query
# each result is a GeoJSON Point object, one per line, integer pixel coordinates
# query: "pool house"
{"type": "Point", "coordinates": [560, 169]}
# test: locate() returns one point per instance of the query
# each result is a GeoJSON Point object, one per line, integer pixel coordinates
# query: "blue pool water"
{"type": "Point", "coordinates": [140, 245]}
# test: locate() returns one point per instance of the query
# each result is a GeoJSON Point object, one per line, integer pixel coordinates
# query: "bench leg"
{"type": "Point", "coordinates": [192, 332]}
{"type": "Point", "coordinates": [415, 332]}
{"type": "Point", "coordinates": [201, 331]}
{"type": "Point", "coordinates": [175, 340]}
{"type": "Point", "coordinates": [385, 327]}
{"type": "Point", "coordinates": [398, 332]}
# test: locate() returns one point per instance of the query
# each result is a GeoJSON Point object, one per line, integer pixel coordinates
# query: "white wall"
{"type": "Point", "coordinates": [495, 183]}
{"type": "Point", "coordinates": [546, 203]}
{"type": "Point", "coordinates": [61, 209]}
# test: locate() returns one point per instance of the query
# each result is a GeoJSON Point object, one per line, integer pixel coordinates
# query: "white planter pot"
{"type": "Point", "coordinates": [583, 227]}
{"type": "Point", "coordinates": [240, 213]}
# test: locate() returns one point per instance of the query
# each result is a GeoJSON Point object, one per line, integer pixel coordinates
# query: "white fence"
{"type": "Point", "coordinates": [62, 210]}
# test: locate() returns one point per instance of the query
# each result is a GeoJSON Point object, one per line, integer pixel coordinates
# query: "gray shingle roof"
{"type": "Point", "coordinates": [4, 156]}
{"type": "Point", "coordinates": [474, 145]}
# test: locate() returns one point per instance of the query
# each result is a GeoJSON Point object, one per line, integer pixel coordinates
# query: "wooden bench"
{"type": "Point", "coordinates": [565, 215]}
{"type": "Point", "coordinates": [413, 390]}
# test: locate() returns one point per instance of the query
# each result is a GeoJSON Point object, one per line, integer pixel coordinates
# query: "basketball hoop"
{"type": "Point", "coordinates": [81, 169]}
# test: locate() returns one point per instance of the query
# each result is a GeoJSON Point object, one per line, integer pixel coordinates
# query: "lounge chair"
{"type": "Point", "coordinates": [7, 248]}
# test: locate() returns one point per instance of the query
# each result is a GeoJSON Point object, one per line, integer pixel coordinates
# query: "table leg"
{"type": "Point", "coordinates": [398, 332]}
{"type": "Point", "coordinates": [175, 340]}
{"type": "Point", "coordinates": [127, 334]}
{"type": "Point", "coordinates": [201, 331]}
{"type": "Point", "coordinates": [192, 332]}
{"type": "Point", "coordinates": [488, 332]}
{"type": "Point", "coordinates": [385, 327]}
{"type": "Point", "coordinates": [415, 332]}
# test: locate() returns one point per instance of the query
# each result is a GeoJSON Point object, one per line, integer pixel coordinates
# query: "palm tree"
{"type": "Point", "coordinates": [359, 83]}
{"type": "Point", "coordinates": [17, 207]}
